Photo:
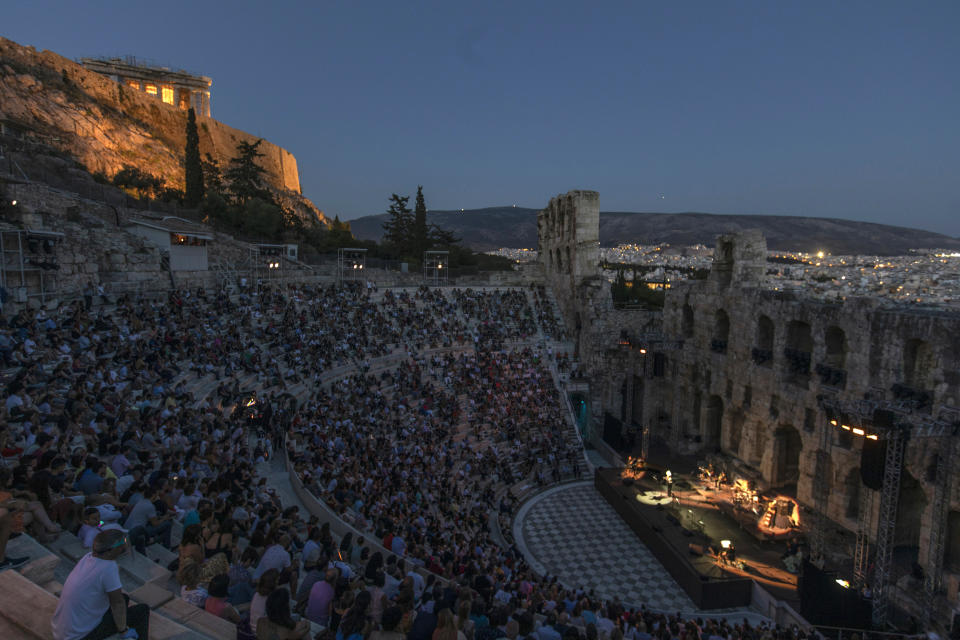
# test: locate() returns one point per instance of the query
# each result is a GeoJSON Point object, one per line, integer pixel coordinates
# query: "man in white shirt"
{"type": "Point", "coordinates": [92, 605]}
{"type": "Point", "coordinates": [277, 557]}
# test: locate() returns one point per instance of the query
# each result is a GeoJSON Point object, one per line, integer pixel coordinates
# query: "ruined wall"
{"type": "Point", "coordinates": [734, 366]}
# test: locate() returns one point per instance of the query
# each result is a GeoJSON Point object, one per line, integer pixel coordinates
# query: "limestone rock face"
{"type": "Point", "coordinates": [105, 126]}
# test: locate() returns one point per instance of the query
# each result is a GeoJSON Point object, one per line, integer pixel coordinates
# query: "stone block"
{"type": "Point", "coordinates": [42, 564]}
{"type": "Point", "coordinates": [151, 594]}
{"type": "Point", "coordinates": [25, 608]}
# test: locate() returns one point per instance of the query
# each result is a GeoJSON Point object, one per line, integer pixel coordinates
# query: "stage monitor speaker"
{"type": "Point", "coordinates": [872, 461]}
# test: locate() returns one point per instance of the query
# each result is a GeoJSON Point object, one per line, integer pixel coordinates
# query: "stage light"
{"type": "Point", "coordinates": [872, 436]}
{"type": "Point", "coordinates": [643, 350]}
{"type": "Point", "coordinates": [725, 544]}
{"type": "Point", "coordinates": [859, 432]}
{"type": "Point", "coordinates": [833, 422]}
{"type": "Point", "coordinates": [843, 583]}
{"type": "Point", "coordinates": [13, 204]}
{"type": "Point", "coordinates": [251, 402]}
{"type": "Point", "coordinates": [845, 427]}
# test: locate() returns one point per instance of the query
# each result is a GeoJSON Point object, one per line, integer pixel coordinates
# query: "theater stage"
{"type": "Point", "coordinates": [678, 531]}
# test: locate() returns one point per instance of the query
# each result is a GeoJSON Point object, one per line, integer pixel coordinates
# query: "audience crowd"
{"type": "Point", "coordinates": [410, 414]}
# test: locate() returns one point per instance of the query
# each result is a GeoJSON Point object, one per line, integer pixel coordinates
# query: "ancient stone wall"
{"type": "Point", "coordinates": [734, 366]}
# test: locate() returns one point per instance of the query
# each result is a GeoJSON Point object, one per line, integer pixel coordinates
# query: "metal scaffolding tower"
{"type": "Point", "coordinates": [351, 263]}
{"type": "Point", "coordinates": [436, 267]}
{"type": "Point", "coordinates": [887, 522]}
{"type": "Point", "coordinates": [861, 553]}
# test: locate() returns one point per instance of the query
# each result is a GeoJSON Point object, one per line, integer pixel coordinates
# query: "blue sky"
{"type": "Point", "coordinates": [838, 109]}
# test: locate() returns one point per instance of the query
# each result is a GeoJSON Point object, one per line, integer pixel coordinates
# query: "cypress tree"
{"type": "Point", "coordinates": [421, 238]}
{"type": "Point", "coordinates": [193, 168]}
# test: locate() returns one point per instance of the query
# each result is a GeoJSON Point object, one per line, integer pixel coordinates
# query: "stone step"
{"type": "Point", "coordinates": [42, 564]}
{"type": "Point", "coordinates": [198, 620]}
{"type": "Point", "coordinates": [25, 608]}
{"type": "Point", "coordinates": [161, 555]}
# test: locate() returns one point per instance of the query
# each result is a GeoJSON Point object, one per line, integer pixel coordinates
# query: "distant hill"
{"type": "Point", "coordinates": [516, 227]}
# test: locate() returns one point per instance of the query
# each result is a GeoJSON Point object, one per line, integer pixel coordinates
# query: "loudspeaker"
{"type": "Point", "coordinates": [872, 460]}
{"type": "Point", "coordinates": [883, 418]}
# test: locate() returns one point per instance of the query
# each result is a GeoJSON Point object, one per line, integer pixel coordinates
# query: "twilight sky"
{"type": "Point", "coordinates": [840, 109]}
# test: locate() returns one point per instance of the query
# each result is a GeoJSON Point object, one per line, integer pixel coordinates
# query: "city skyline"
{"type": "Point", "coordinates": [806, 109]}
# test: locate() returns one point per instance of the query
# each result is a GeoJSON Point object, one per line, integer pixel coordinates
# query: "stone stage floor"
{"type": "Point", "coordinates": [571, 532]}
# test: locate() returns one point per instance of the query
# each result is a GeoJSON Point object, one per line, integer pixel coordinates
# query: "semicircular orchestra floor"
{"type": "Point", "coordinates": [571, 532]}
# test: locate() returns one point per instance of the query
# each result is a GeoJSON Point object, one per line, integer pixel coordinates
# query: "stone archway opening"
{"type": "Point", "coordinates": [918, 364]}
{"type": "Point", "coordinates": [910, 508]}
{"type": "Point", "coordinates": [787, 445]}
{"type": "Point", "coordinates": [721, 332]}
{"type": "Point", "coordinates": [735, 433]}
{"type": "Point", "coordinates": [763, 349]}
{"type": "Point", "coordinates": [687, 322]}
{"type": "Point", "coordinates": [713, 424]}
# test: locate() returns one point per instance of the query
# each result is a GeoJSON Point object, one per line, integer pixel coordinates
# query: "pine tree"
{"type": "Point", "coordinates": [245, 177]}
{"type": "Point", "coordinates": [397, 231]}
{"type": "Point", "coordinates": [193, 169]}
{"type": "Point", "coordinates": [420, 233]}
{"type": "Point", "coordinates": [212, 178]}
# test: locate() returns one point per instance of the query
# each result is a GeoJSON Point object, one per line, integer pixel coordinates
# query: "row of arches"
{"type": "Point", "coordinates": [917, 357]}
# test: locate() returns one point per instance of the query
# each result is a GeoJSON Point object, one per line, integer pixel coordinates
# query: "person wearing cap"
{"type": "Point", "coordinates": [314, 571]}
{"type": "Point", "coordinates": [92, 604]}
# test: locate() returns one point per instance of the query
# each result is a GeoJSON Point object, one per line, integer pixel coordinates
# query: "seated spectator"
{"type": "Point", "coordinates": [93, 525]}
{"type": "Point", "coordinates": [192, 548]}
{"type": "Point", "coordinates": [265, 586]}
{"type": "Point", "coordinates": [320, 598]}
{"type": "Point", "coordinates": [190, 589]}
{"type": "Point", "coordinates": [11, 521]}
{"type": "Point", "coordinates": [217, 603]}
{"type": "Point", "coordinates": [389, 625]}
{"type": "Point", "coordinates": [355, 624]}
{"type": "Point", "coordinates": [278, 624]}
{"type": "Point", "coordinates": [314, 573]}
{"type": "Point", "coordinates": [242, 586]}
{"type": "Point", "coordinates": [277, 557]}
{"type": "Point", "coordinates": [145, 525]}
{"type": "Point", "coordinates": [92, 605]}
{"type": "Point", "coordinates": [25, 510]}
{"type": "Point", "coordinates": [446, 627]}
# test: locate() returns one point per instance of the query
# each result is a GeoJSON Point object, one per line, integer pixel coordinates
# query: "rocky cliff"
{"type": "Point", "coordinates": [104, 126]}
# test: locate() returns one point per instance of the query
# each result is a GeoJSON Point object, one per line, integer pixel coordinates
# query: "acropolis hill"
{"type": "Point", "coordinates": [105, 126]}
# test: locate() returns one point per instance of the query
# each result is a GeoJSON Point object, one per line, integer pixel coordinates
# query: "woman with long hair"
{"type": "Point", "coordinates": [447, 627]}
{"type": "Point", "coordinates": [278, 624]}
{"type": "Point", "coordinates": [192, 547]}
{"type": "Point", "coordinates": [354, 623]}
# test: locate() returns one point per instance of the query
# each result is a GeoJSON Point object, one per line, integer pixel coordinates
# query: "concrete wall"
{"type": "Point", "coordinates": [188, 258]}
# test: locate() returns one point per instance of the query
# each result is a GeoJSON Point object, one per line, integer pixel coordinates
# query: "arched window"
{"type": "Point", "coordinates": [721, 332]}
